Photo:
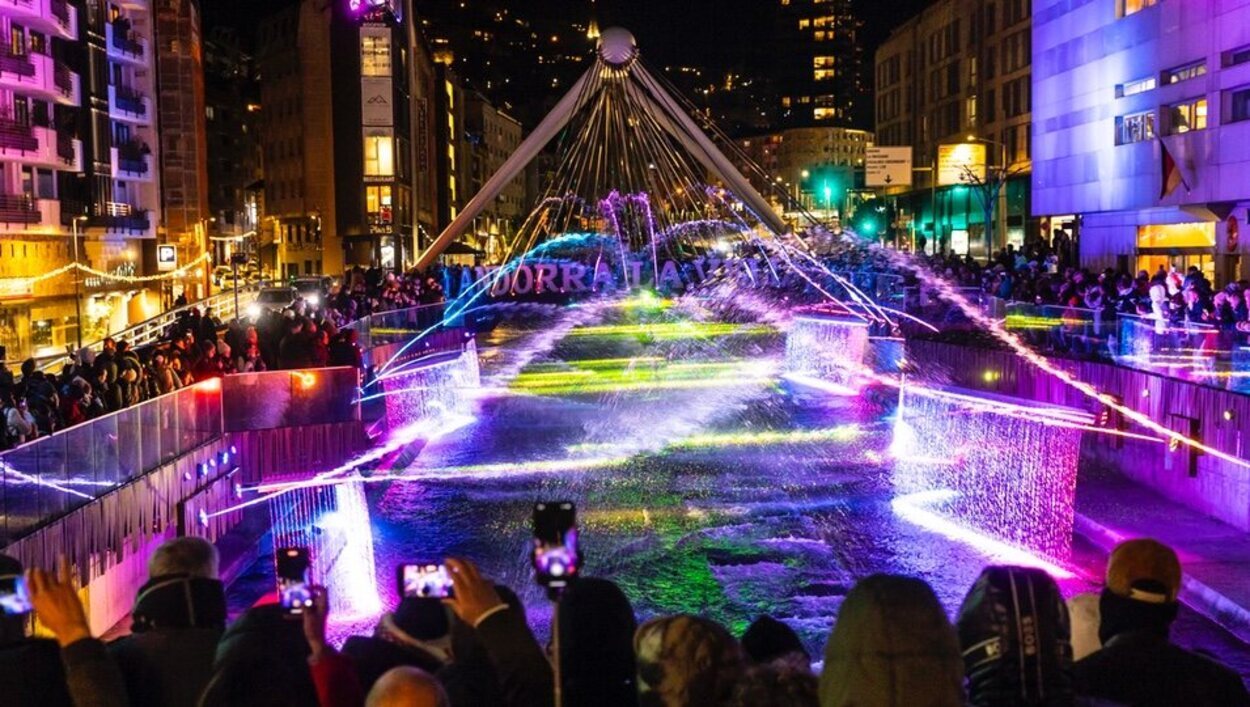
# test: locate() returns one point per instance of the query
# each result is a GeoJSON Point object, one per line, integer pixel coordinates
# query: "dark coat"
{"type": "Point", "coordinates": [31, 674]}
{"type": "Point", "coordinates": [168, 658]}
{"type": "Point", "coordinates": [1144, 669]}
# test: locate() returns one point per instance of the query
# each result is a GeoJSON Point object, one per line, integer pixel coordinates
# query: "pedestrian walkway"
{"type": "Point", "coordinates": [1215, 555]}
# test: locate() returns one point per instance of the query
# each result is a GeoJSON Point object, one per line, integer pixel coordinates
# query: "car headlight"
{"type": "Point", "coordinates": [253, 310]}
{"type": "Point", "coordinates": [314, 299]}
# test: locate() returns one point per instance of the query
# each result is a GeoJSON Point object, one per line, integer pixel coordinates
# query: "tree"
{"type": "Point", "coordinates": [989, 190]}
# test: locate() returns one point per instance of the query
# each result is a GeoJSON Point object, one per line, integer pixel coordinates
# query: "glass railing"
{"type": "Point", "coordinates": [312, 396]}
{"type": "Point", "coordinates": [1053, 328]}
{"type": "Point", "coordinates": [396, 325]}
{"type": "Point", "coordinates": [50, 476]}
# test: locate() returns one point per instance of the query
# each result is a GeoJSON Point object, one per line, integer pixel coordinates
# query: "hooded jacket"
{"type": "Point", "coordinates": [176, 623]}
{"type": "Point", "coordinates": [892, 646]}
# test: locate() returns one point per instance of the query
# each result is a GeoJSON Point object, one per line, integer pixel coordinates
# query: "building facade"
{"type": "Point", "coordinates": [1118, 82]}
{"type": "Point", "coordinates": [79, 167]}
{"type": "Point", "coordinates": [959, 72]}
{"type": "Point", "coordinates": [181, 115]}
{"type": "Point", "coordinates": [818, 65]}
{"type": "Point", "coordinates": [492, 137]}
{"type": "Point", "coordinates": [232, 111]}
{"type": "Point", "coordinates": [814, 168]}
{"type": "Point", "coordinates": [337, 135]}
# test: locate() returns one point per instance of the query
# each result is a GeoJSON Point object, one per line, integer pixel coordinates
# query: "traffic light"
{"type": "Point", "coordinates": [871, 218]}
{"type": "Point", "coordinates": [827, 184]}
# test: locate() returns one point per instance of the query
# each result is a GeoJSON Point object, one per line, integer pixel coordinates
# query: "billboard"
{"type": "Point", "coordinates": [961, 163]}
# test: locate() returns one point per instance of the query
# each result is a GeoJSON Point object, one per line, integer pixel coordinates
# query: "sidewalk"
{"type": "Point", "coordinates": [1215, 556]}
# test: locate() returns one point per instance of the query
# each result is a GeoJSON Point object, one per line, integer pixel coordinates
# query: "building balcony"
{"type": "Point", "coordinates": [29, 216]}
{"type": "Point", "coordinates": [38, 146]}
{"type": "Point", "coordinates": [18, 209]}
{"type": "Point", "coordinates": [122, 218]}
{"type": "Point", "coordinates": [39, 76]}
{"type": "Point", "coordinates": [124, 45]}
{"type": "Point", "coordinates": [69, 152]}
{"type": "Point", "coordinates": [55, 17]}
{"type": "Point", "coordinates": [127, 105]}
{"type": "Point", "coordinates": [132, 161]}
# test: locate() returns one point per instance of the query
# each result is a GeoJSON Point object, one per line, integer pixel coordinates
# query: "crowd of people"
{"type": "Point", "coordinates": [197, 346]}
{"type": "Point", "coordinates": [1014, 642]}
{"type": "Point", "coordinates": [1167, 294]}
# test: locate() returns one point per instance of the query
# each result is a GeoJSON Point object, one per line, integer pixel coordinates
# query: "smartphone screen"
{"type": "Point", "coordinates": [294, 592]}
{"type": "Point", "coordinates": [426, 580]}
{"type": "Point", "coordinates": [556, 557]}
{"type": "Point", "coordinates": [14, 599]}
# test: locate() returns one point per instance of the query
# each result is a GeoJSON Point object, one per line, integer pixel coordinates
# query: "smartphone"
{"type": "Point", "coordinates": [14, 599]}
{"type": "Point", "coordinates": [556, 557]}
{"type": "Point", "coordinates": [294, 591]}
{"type": "Point", "coordinates": [425, 580]}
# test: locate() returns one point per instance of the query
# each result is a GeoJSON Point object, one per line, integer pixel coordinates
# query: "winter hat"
{"type": "Point", "coordinates": [1144, 570]}
{"type": "Point", "coordinates": [767, 639]}
{"type": "Point", "coordinates": [422, 618]}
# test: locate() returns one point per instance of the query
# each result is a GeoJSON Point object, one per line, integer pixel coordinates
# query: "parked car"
{"type": "Point", "coordinates": [272, 298]}
{"type": "Point", "coordinates": [313, 288]}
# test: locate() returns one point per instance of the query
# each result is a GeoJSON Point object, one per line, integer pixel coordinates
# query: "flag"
{"type": "Point", "coordinates": [1172, 176]}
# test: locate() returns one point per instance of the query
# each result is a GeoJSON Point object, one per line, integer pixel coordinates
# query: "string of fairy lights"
{"type": "Point", "coordinates": [26, 282]}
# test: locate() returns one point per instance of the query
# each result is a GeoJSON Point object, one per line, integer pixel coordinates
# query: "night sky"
{"type": "Point", "coordinates": [725, 31]}
{"type": "Point", "coordinates": [718, 34]}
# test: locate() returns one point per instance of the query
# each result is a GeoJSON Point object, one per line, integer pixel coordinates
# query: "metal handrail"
{"type": "Point", "coordinates": [220, 305]}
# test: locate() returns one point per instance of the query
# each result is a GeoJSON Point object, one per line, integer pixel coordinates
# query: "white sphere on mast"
{"type": "Point", "coordinates": [617, 46]}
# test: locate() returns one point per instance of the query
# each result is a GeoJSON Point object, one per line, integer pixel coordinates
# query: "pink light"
{"type": "Point", "coordinates": [911, 508]}
{"type": "Point", "coordinates": [425, 429]}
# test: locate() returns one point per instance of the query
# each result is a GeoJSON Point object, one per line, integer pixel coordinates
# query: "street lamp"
{"type": "Point", "coordinates": [73, 224]}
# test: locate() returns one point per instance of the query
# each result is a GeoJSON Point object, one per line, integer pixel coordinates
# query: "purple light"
{"type": "Point", "coordinates": [912, 508]}
{"type": "Point", "coordinates": [1011, 467]}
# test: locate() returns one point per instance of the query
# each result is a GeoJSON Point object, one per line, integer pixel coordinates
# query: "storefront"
{"type": "Point", "coordinates": [1181, 246]}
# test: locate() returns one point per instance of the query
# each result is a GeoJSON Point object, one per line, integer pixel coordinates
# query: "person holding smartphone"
{"type": "Point", "coordinates": [523, 670]}
{"type": "Point", "coordinates": [30, 668]}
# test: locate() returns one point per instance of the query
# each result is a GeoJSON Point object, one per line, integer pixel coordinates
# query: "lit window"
{"type": "Point", "coordinates": [825, 113]}
{"type": "Point", "coordinates": [1137, 127]}
{"type": "Point", "coordinates": [375, 54]}
{"type": "Point", "coordinates": [1130, 7]}
{"type": "Point", "coordinates": [1182, 73]}
{"type": "Point", "coordinates": [823, 74]}
{"type": "Point", "coordinates": [805, 23]}
{"type": "Point", "coordinates": [970, 107]}
{"type": "Point", "coordinates": [1187, 116]}
{"type": "Point", "coordinates": [1132, 88]}
{"type": "Point", "coordinates": [822, 62]}
{"type": "Point", "coordinates": [378, 204]}
{"type": "Point", "coordinates": [379, 156]}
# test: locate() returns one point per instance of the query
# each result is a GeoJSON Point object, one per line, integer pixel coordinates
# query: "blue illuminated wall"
{"type": "Point", "coordinates": [1084, 53]}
